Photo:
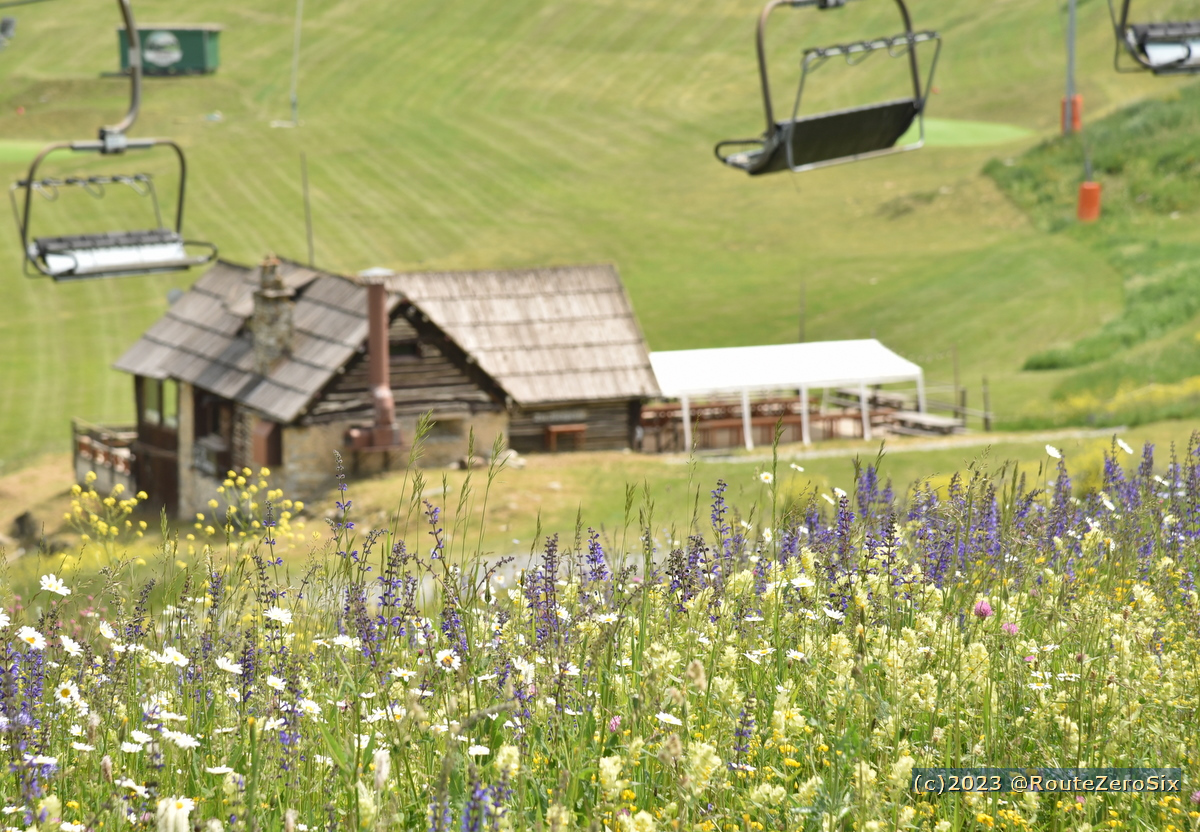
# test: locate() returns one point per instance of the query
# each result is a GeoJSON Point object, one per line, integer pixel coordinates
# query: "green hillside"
{"type": "Point", "coordinates": [537, 132]}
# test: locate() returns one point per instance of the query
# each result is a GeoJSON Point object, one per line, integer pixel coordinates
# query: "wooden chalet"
{"type": "Point", "coordinates": [562, 342]}
{"type": "Point", "coordinates": [280, 365]}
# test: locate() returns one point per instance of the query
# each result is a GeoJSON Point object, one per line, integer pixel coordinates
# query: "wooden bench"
{"type": "Point", "coordinates": [576, 430]}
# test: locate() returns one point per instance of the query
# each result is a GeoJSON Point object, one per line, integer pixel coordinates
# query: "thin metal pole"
{"type": "Point", "coordinates": [805, 433]}
{"type": "Point", "coordinates": [955, 353]}
{"type": "Point", "coordinates": [296, 64]}
{"type": "Point", "coordinates": [747, 432]}
{"type": "Point", "coordinates": [866, 413]}
{"type": "Point", "coordinates": [307, 206]}
{"type": "Point", "coordinates": [1069, 106]}
{"type": "Point", "coordinates": [803, 306]}
{"type": "Point", "coordinates": [687, 425]}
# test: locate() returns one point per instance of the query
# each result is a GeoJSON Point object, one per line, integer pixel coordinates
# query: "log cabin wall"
{"type": "Point", "coordinates": [608, 426]}
{"type": "Point", "coordinates": [423, 378]}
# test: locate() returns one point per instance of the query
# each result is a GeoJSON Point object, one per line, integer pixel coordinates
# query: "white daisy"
{"type": "Point", "coordinates": [219, 770]}
{"type": "Point", "coordinates": [32, 637]}
{"type": "Point", "coordinates": [172, 656]}
{"type": "Point", "coordinates": [836, 615]}
{"type": "Point", "coordinates": [1124, 446]}
{"type": "Point", "coordinates": [53, 584]}
{"type": "Point", "coordinates": [767, 477]}
{"type": "Point", "coordinates": [448, 660]}
{"type": "Point", "coordinates": [181, 739]}
{"type": "Point", "coordinates": [107, 631]}
{"type": "Point", "coordinates": [1053, 452]}
{"type": "Point", "coordinates": [607, 618]}
{"type": "Point", "coordinates": [229, 666]}
{"type": "Point", "coordinates": [478, 750]}
{"type": "Point", "coordinates": [82, 746]}
{"type": "Point", "coordinates": [71, 646]}
{"type": "Point", "coordinates": [130, 747]}
{"type": "Point", "coordinates": [66, 693]}
{"type": "Point", "coordinates": [68, 826]}
{"type": "Point", "coordinates": [4, 619]}
{"type": "Point", "coordinates": [403, 673]}
{"type": "Point", "coordinates": [803, 582]}
{"type": "Point", "coordinates": [669, 719]}
{"type": "Point", "coordinates": [275, 682]}
{"type": "Point", "coordinates": [279, 615]}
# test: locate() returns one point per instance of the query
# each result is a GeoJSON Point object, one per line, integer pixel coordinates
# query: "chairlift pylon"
{"type": "Point", "coordinates": [1170, 48]}
{"type": "Point", "coordinates": [803, 143]}
{"type": "Point", "coordinates": [114, 253]}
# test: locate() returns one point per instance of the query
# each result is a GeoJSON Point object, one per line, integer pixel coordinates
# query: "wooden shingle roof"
{"type": "Point", "coordinates": [203, 338]}
{"type": "Point", "coordinates": [545, 335]}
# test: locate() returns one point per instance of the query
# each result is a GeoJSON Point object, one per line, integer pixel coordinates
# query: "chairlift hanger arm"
{"type": "Point", "coordinates": [112, 138]}
{"type": "Point", "coordinates": [820, 4]}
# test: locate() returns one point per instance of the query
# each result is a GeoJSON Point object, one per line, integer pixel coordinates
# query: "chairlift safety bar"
{"type": "Point", "coordinates": [761, 44]}
{"type": "Point", "coordinates": [862, 46]}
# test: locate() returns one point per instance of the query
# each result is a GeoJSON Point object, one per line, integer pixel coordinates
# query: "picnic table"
{"type": "Point", "coordinates": [921, 424]}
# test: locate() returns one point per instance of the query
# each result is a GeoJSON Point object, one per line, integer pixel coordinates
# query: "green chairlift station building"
{"type": "Point", "coordinates": [177, 49]}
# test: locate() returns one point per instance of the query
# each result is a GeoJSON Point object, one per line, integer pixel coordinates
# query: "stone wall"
{"type": "Point", "coordinates": [309, 467]}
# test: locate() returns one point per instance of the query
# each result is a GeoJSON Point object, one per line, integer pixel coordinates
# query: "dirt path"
{"type": "Point", "coordinates": [900, 445]}
{"type": "Point", "coordinates": [42, 488]}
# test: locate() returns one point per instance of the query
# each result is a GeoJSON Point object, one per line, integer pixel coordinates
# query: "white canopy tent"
{"type": "Point", "coordinates": [685, 374]}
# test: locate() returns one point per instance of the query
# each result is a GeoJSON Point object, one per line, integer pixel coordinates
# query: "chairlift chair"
{"type": "Point", "coordinates": [1171, 48]}
{"type": "Point", "coordinates": [803, 143]}
{"type": "Point", "coordinates": [113, 253]}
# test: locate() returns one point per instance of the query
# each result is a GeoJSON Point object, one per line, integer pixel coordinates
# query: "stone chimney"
{"type": "Point", "coordinates": [272, 322]}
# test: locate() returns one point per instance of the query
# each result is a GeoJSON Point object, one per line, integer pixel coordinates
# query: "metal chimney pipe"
{"type": "Point", "coordinates": [379, 374]}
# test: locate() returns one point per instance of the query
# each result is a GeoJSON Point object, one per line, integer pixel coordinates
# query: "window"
{"type": "Point", "coordinates": [151, 401]}
{"type": "Point", "coordinates": [170, 403]}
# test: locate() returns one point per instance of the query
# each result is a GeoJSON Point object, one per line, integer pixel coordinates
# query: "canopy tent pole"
{"type": "Point", "coordinates": [866, 415]}
{"type": "Point", "coordinates": [804, 434]}
{"type": "Point", "coordinates": [747, 434]}
{"type": "Point", "coordinates": [687, 426]}
{"type": "Point", "coordinates": [921, 392]}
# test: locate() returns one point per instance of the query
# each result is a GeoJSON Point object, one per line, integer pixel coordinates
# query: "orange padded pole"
{"type": "Point", "coordinates": [1089, 202]}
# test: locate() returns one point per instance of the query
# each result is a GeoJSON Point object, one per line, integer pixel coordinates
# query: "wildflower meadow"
{"type": "Point", "coordinates": [782, 665]}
